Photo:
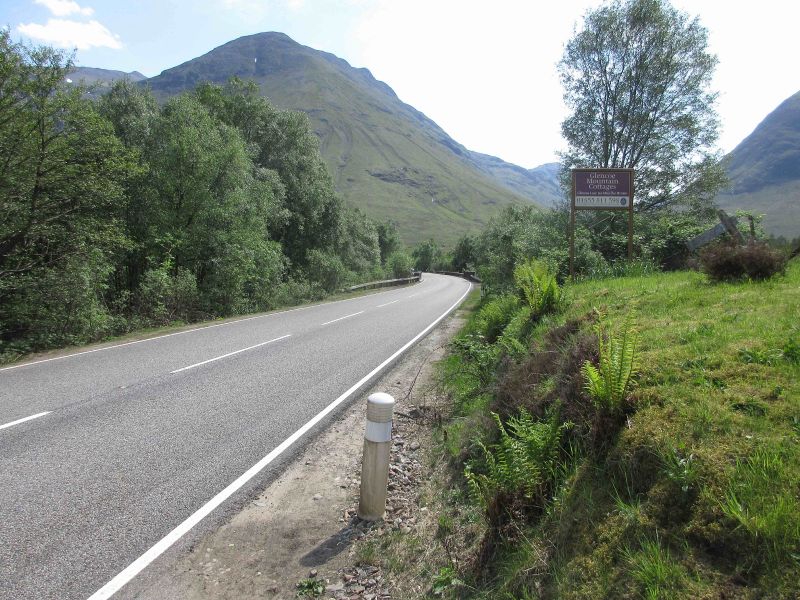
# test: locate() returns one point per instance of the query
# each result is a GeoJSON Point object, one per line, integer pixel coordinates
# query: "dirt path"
{"type": "Point", "coordinates": [303, 525]}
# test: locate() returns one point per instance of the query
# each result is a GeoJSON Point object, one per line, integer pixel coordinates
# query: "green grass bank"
{"type": "Point", "coordinates": [686, 487]}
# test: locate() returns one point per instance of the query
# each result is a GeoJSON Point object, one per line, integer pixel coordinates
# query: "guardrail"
{"type": "Point", "coordinates": [385, 283]}
{"type": "Point", "coordinates": [468, 275]}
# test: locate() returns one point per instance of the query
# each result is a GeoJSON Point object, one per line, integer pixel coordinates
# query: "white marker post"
{"type": "Point", "coordinates": [375, 464]}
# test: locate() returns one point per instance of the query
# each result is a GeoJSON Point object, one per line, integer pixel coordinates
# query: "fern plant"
{"type": "Point", "coordinates": [538, 287]}
{"type": "Point", "coordinates": [523, 461]}
{"type": "Point", "coordinates": [609, 383]}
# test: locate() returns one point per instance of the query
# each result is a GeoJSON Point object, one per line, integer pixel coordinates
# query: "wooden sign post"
{"type": "Point", "coordinates": [600, 189]}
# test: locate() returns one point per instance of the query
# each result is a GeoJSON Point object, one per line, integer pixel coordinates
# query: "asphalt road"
{"type": "Point", "coordinates": [139, 437]}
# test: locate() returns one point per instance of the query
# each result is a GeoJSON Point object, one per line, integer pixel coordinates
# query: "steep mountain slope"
{"type": "Point", "coordinates": [385, 156]}
{"type": "Point", "coordinates": [764, 170]}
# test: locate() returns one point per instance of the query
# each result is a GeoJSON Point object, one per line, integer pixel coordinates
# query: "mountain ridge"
{"type": "Point", "coordinates": [764, 171]}
{"type": "Point", "coordinates": [385, 156]}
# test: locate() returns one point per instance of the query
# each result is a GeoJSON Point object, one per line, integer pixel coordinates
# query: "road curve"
{"type": "Point", "coordinates": [106, 454]}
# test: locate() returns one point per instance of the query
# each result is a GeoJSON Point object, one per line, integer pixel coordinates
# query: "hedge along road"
{"type": "Point", "coordinates": [133, 446]}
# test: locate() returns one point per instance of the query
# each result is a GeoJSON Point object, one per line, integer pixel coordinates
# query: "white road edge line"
{"type": "Point", "coordinates": [18, 421]}
{"type": "Point", "coordinates": [205, 362]}
{"type": "Point", "coordinates": [194, 330]}
{"type": "Point", "coordinates": [344, 317]}
{"type": "Point", "coordinates": [136, 567]}
{"type": "Point", "coordinates": [387, 304]}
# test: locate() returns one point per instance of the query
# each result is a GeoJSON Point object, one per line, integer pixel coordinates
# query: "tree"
{"type": "Point", "coordinates": [388, 239]}
{"type": "Point", "coordinates": [637, 78]}
{"type": "Point", "coordinates": [426, 255]}
{"type": "Point", "coordinates": [284, 143]}
{"type": "Point", "coordinates": [61, 167]}
{"type": "Point", "coordinates": [464, 253]}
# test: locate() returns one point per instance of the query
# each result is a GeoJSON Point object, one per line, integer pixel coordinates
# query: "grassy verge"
{"type": "Point", "coordinates": [686, 487]}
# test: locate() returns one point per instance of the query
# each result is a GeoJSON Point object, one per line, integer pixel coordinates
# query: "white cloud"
{"type": "Point", "coordinates": [63, 8]}
{"type": "Point", "coordinates": [72, 34]}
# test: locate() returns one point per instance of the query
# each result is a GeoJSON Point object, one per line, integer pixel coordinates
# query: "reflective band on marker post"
{"type": "Point", "coordinates": [378, 432]}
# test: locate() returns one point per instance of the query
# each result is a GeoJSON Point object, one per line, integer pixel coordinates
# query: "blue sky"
{"type": "Point", "coordinates": [484, 71]}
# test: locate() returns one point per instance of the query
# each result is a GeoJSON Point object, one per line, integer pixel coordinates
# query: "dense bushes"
{"type": "Point", "coordinates": [119, 213]}
{"type": "Point", "coordinates": [730, 262]}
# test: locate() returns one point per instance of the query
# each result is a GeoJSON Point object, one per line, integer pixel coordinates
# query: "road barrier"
{"type": "Point", "coordinates": [468, 275]}
{"type": "Point", "coordinates": [375, 464]}
{"type": "Point", "coordinates": [385, 283]}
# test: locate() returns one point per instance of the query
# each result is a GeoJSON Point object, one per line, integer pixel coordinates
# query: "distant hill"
{"type": "Point", "coordinates": [386, 157]}
{"type": "Point", "coordinates": [90, 75]}
{"type": "Point", "coordinates": [764, 171]}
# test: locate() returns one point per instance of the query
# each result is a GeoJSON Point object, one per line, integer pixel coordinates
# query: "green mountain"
{"type": "Point", "coordinates": [386, 157]}
{"type": "Point", "coordinates": [764, 171]}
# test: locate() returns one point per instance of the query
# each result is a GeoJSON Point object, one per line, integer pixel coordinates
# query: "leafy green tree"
{"type": "Point", "coordinates": [399, 264]}
{"type": "Point", "coordinates": [206, 204]}
{"type": "Point", "coordinates": [464, 253]}
{"type": "Point", "coordinates": [426, 255]}
{"type": "Point", "coordinates": [388, 239]}
{"type": "Point", "coordinates": [284, 143]}
{"type": "Point", "coordinates": [61, 186]}
{"type": "Point", "coordinates": [61, 167]}
{"type": "Point", "coordinates": [357, 242]}
{"type": "Point", "coordinates": [636, 77]}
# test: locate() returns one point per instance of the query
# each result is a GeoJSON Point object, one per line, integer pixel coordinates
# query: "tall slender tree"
{"type": "Point", "coordinates": [637, 79]}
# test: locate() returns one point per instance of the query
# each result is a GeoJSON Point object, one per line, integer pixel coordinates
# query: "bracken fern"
{"type": "Point", "coordinates": [609, 383]}
{"type": "Point", "coordinates": [523, 461]}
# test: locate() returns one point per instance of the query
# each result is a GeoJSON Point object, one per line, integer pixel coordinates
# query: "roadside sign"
{"type": "Point", "coordinates": [600, 189]}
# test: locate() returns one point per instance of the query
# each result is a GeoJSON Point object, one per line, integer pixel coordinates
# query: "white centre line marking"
{"type": "Point", "coordinates": [136, 567]}
{"type": "Point", "coordinates": [205, 362]}
{"type": "Point", "coordinates": [387, 304]}
{"type": "Point", "coordinates": [18, 421]}
{"type": "Point", "coordinates": [344, 317]}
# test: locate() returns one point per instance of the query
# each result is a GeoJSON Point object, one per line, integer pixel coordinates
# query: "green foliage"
{"type": "Point", "coordinates": [212, 204]}
{"type": "Point", "coordinates": [479, 357]}
{"type": "Point", "coordinates": [791, 351]}
{"type": "Point", "coordinates": [680, 468]}
{"type": "Point", "coordinates": [464, 254]}
{"type": "Point", "coordinates": [388, 240]}
{"type": "Point", "coordinates": [166, 295]}
{"type": "Point", "coordinates": [609, 384]}
{"type": "Point", "coordinates": [310, 587]}
{"type": "Point", "coordinates": [495, 314]}
{"type": "Point", "coordinates": [426, 255]}
{"type": "Point", "coordinates": [60, 306]}
{"type": "Point", "coordinates": [538, 287]}
{"type": "Point", "coordinates": [523, 461]}
{"type": "Point", "coordinates": [446, 578]}
{"type": "Point", "coordinates": [327, 270]}
{"type": "Point", "coordinates": [519, 234]}
{"type": "Point", "coordinates": [399, 265]}
{"type": "Point", "coordinates": [61, 167]}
